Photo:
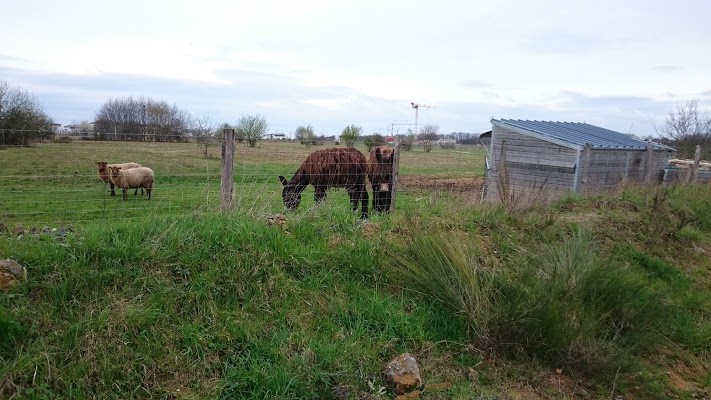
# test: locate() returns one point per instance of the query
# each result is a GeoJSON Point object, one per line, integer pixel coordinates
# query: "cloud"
{"type": "Point", "coordinates": [668, 68]}
{"type": "Point", "coordinates": [4, 57]}
{"type": "Point", "coordinates": [475, 84]}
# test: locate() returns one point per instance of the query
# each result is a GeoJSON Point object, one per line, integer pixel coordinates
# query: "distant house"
{"type": "Point", "coordinates": [446, 143]}
{"type": "Point", "coordinates": [541, 160]}
{"type": "Point", "coordinates": [276, 136]}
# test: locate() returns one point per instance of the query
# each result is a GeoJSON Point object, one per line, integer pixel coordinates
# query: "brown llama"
{"type": "Point", "coordinates": [337, 167]}
{"type": "Point", "coordinates": [380, 173]}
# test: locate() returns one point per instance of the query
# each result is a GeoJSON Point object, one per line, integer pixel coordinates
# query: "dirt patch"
{"type": "Point", "coordinates": [434, 183]}
{"type": "Point", "coordinates": [467, 189]}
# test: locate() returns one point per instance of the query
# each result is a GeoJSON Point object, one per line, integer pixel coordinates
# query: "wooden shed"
{"type": "Point", "coordinates": [541, 160]}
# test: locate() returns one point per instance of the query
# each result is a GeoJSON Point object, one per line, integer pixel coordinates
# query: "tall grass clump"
{"type": "Point", "coordinates": [573, 309]}
{"type": "Point", "coordinates": [563, 305]}
{"type": "Point", "coordinates": [436, 266]}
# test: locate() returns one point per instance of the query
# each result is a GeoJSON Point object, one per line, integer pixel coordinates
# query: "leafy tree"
{"type": "Point", "coordinates": [428, 136]}
{"type": "Point", "coordinates": [21, 110]}
{"type": "Point", "coordinates": [252, 127]}
{"type": "Point", "coordinates": [350, 134]}
{"type": "Point", "coordinates": [686, 129]}
{"type": "Point", "coordinates": [407, 141]}
{"type": "Point", "coordinates": [305, 134]}
{"type": "Point", "coordinates": [374, 140]}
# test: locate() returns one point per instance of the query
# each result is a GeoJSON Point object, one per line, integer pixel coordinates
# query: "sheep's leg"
{"type": "Point", "coordinates": [124, 194]}
{"type": "Point", "coordinates": [113, 193]}
{"type": "Point", "coordinates": [148, 191]}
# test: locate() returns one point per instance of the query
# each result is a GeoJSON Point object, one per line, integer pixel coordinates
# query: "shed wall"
{"type": "Point", "coordinates": [535, 170]}
{"type": "Point", "coordinates": [609, 169]}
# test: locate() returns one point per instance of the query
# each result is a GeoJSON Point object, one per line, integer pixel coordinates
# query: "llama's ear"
{"type": "Point", "coordinates": [378, 155]}
{"type": "Point", "coordinates": [283, 180]}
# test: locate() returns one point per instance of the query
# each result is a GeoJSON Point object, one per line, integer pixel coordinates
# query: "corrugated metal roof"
{"type": "Point", "coordinates": [579, 134]}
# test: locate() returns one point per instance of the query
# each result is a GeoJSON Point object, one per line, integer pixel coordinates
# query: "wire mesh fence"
{"type": "Point", "coordinates": [55, 182]}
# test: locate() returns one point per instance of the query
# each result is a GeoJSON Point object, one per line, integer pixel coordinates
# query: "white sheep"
{"type": "Point", "coordinates": [104, 170]}
{"type": "Point", "coordinates": [133, 178]}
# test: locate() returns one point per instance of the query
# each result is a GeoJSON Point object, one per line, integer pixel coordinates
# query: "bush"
{"type": "Point", "coordinates": [562, 307]}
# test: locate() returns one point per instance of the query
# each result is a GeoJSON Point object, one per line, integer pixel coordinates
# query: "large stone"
{"type": "Point", "coordinates": [403, 374]}
{"type": "Point", "coordinates": [11, 272]}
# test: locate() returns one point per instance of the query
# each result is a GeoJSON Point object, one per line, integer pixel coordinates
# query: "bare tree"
{"type": "Point", "coordinates": [142, 119]}
{"type": "Point", "coordinates": [83, 127]}
{"type": "Point", "coordinates": [252, 127]}
{"type": "Point", "coordinates": [428, 136]}
{"type": "Point", "coordinates": [21, 110]}
{"type": "Point", "coordinates": [687, 128]}
{"type": "Point", "coordinates": [204, 133]}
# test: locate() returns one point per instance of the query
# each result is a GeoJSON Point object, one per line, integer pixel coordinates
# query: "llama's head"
{"type": "Point", "coordinates": [384, 155]}
{"type": "Point", "coordinates": [290, 194]}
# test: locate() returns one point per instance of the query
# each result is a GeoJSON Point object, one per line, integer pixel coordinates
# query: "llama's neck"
{"type": "Point", "coordinates": [299, 181]}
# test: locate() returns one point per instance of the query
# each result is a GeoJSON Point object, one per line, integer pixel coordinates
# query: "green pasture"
{"type": "Point", "coordinates": [57, 183]}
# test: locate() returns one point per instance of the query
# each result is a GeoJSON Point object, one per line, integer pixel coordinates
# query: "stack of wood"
{"type": "Point", "coordinates": [688, 164]}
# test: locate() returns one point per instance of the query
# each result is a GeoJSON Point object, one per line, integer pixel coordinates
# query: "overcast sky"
{"type": "Point", "coordinates": [623, 65]}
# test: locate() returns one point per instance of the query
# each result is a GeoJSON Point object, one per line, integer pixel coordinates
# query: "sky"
{"type": "Point", "coordinates": [622, 65]}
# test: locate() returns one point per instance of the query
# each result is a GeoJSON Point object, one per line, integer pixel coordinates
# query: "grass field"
{"type": "Point", "coordinates": [590, 298]}
{"type": "Point", "coordinates": [55, 183]}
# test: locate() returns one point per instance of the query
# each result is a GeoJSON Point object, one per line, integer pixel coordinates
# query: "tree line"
{"type": "Point", "coordinates": [142, 119]}
{"type": "Point", "coordinates": [23, 119]}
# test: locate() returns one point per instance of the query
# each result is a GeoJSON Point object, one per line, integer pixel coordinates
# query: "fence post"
{"type": "Point", "coordinates": [695, 168]}
{"type": "Point", "coordinates": [396, 171]}
{"type": "Point", "coordinates": [586, 168]}
{"type": "Point", "coordinates": [648, 164]}
{"type": "Point", "coordinates": [226, 181]}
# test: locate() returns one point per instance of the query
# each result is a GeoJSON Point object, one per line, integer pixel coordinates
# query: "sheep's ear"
{"type": "Point", "coordinates": [378, 155]}
{"type": "Point", "coordinates": [283, 180]}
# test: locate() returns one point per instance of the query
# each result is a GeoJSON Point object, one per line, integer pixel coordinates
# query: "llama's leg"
{"type": "Point", "coordinates": [354, 197]}
{"type": "Point", "coordinates": [375, 197]}
{"type": "Point", "coordinates": [363, 195]}
{"type": "Point", "coordinates": [320, 194]}
{"type": "Point", "coordinates": [387, 198]}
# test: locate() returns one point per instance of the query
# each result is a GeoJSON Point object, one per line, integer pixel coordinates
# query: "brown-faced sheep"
{"type": "Point", "coordinates": [133, 178]}
{"type": "Point", "coordinates": [337, 167]}
{"type": "Point", "coordinates": [380, 174]}
{"type": "Point", "coordinates": [104, 170]}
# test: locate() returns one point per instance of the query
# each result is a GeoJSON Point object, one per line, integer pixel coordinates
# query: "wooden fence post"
{"type": "Point", "coordinates": [586, 168]}
{"type": "Point", "coordinates": [695, 168]}
{"type": "Point", "coordinates": [396, 171]}
{"type": "Point", "coordinates": [648, 164]}
{"type": "Point", "coordinates": [226, 181]}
